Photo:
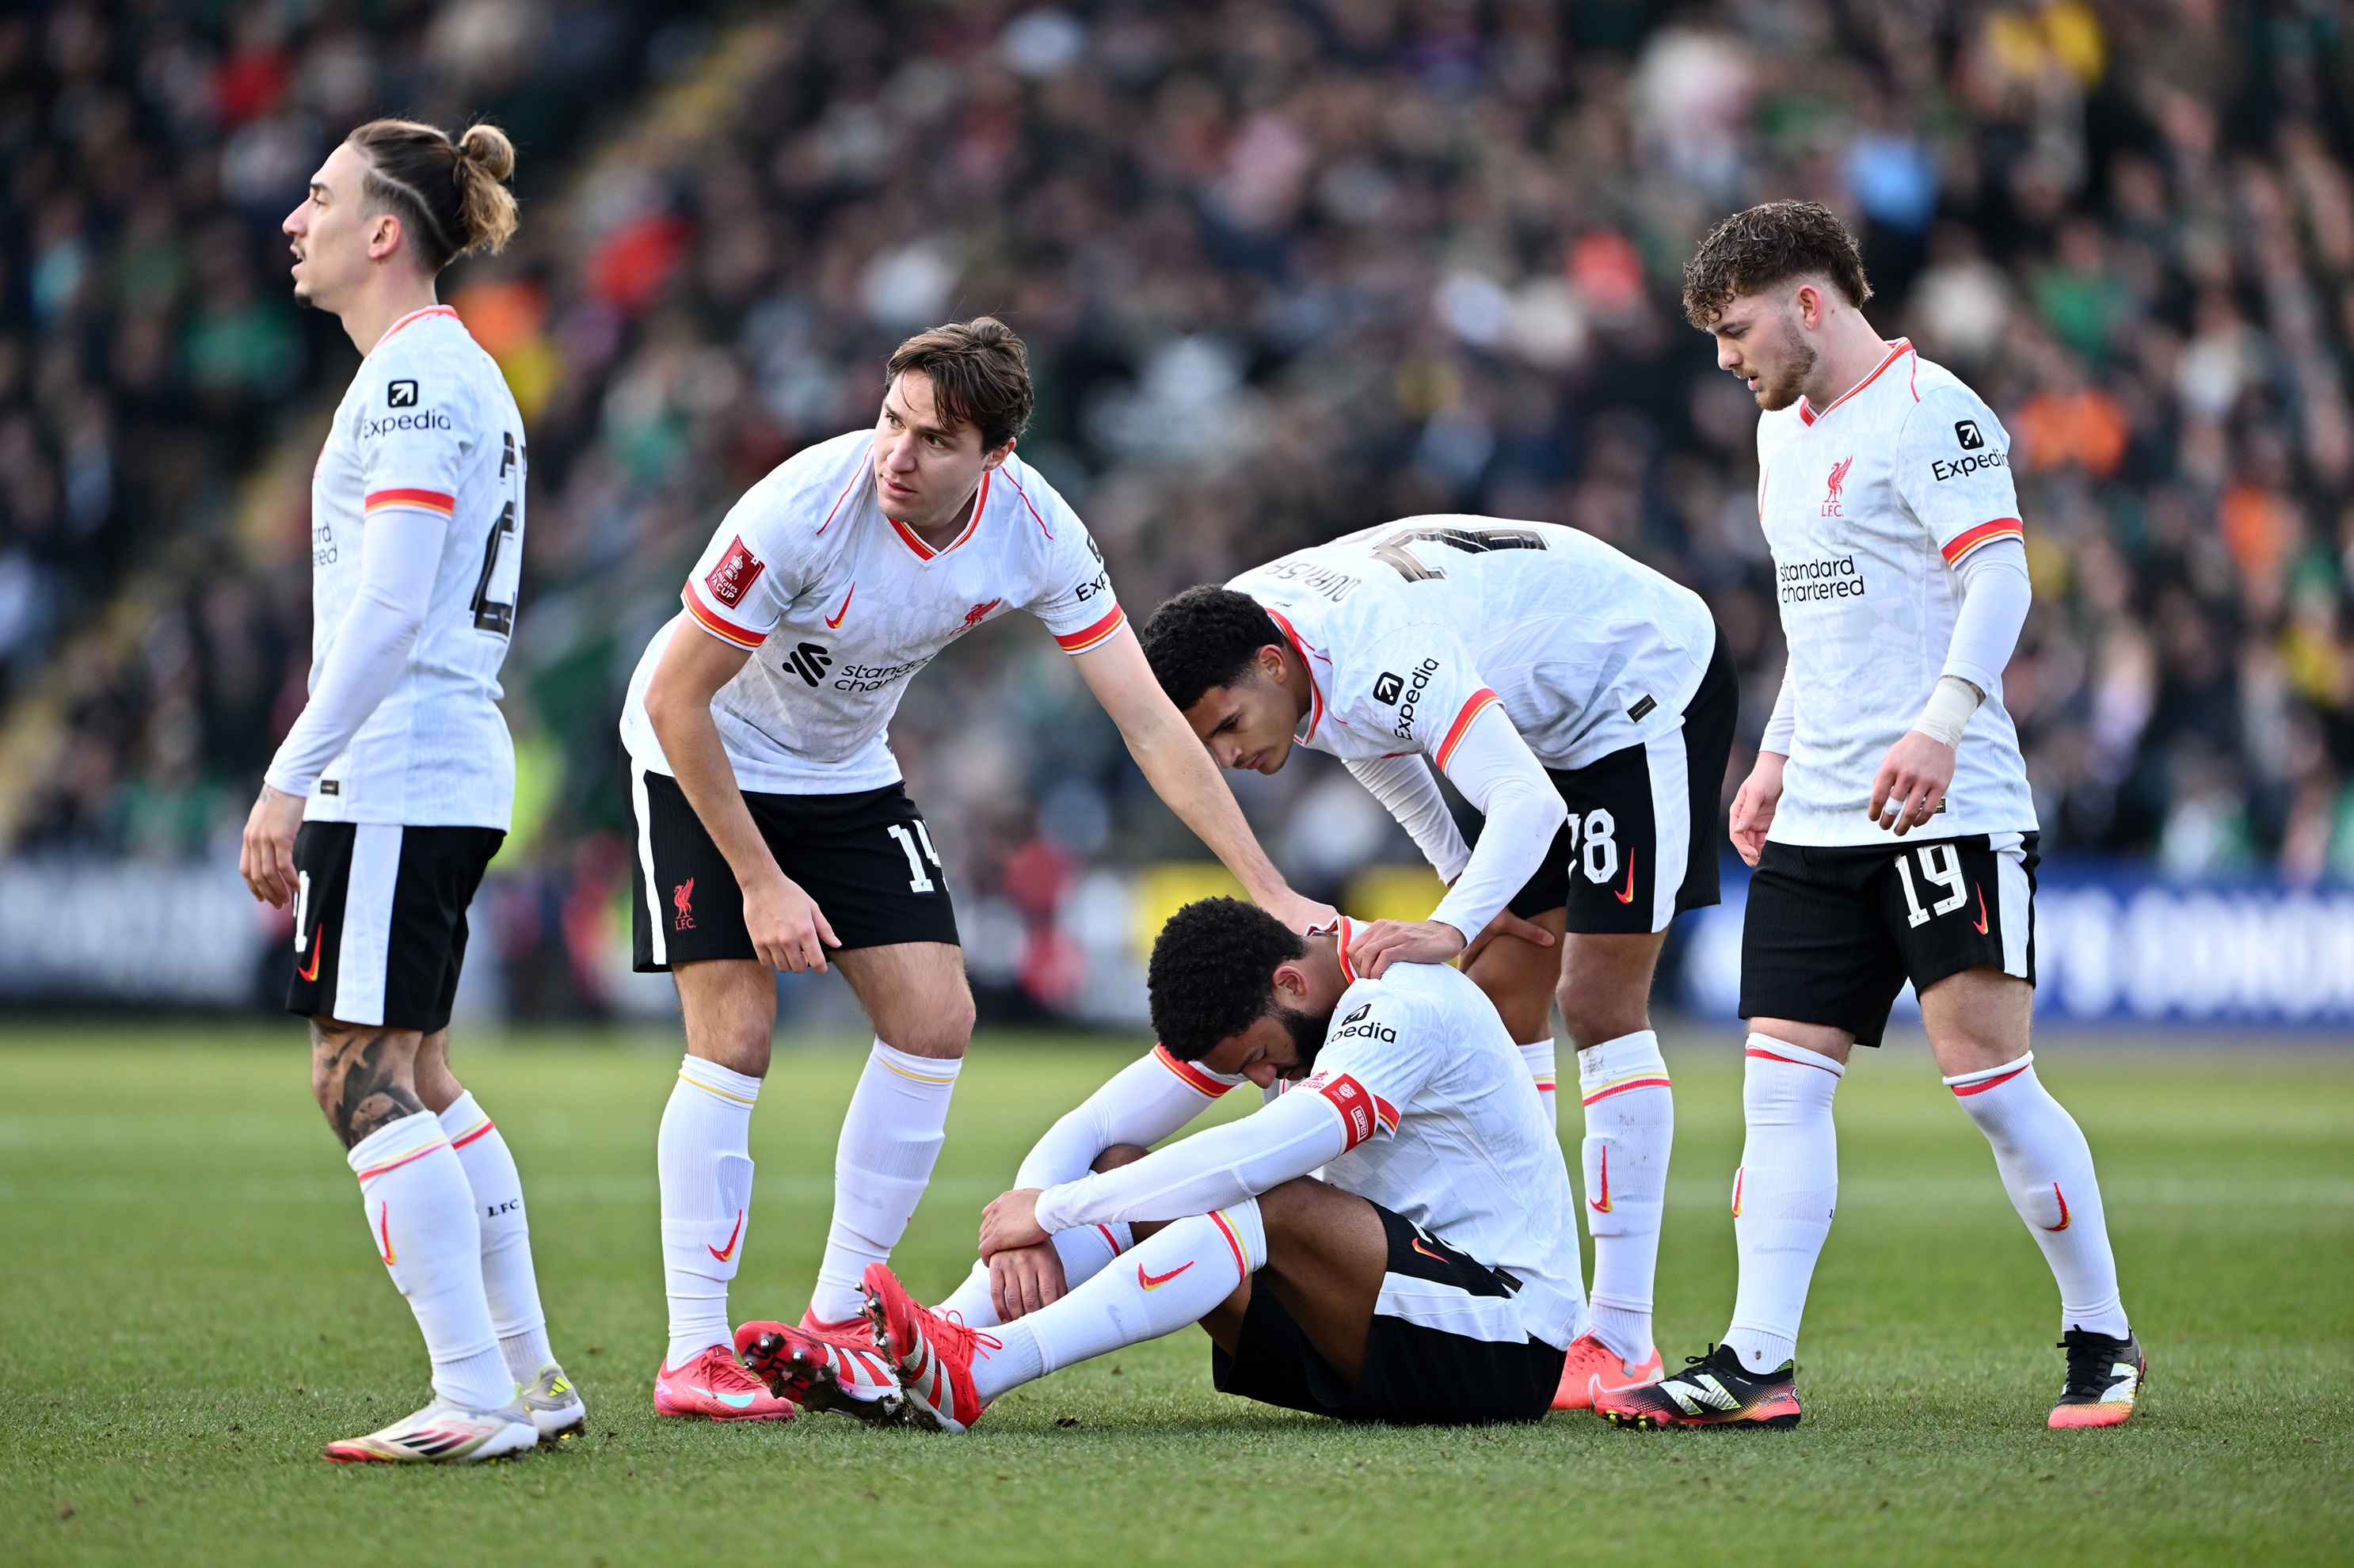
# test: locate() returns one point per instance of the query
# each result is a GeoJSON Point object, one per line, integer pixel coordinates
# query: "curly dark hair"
{"type": "Point", "coordinates": [1211, 974]}
{"type": "Point", "coordinates": [1205, 636]}
{"type": "Point", "coordinates": [980, 373]}
{"type": "Point", "coordinates": [1766, 245]}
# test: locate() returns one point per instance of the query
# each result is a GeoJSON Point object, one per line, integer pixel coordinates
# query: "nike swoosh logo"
{"type": "Point", "coordinates": [1738, 1172]}
{"type": "Point", "coordinates": [1602, 1206]}
{"type": "Point", "coordinates": [834, 622]}
{"type": "Point", "coordinates": [1428, 1253]}
{"type": "Point", "coordinates": [318, 944]}
{"type": "Point", "coordinates": [724, 1254]}
{"type": "Point", "coordinates": [1982, 915]}
{"type": "Point", "coordinates": [1628, 897]}
{"type": "Point", "coordinates": [2064, 1209]}
{"type": "Point", "coordinates": [1153, 1281]}
{"type": "Point", "coordinates": [732, 1401]}
{"type": "Point", "coordinates": [383, 1234]}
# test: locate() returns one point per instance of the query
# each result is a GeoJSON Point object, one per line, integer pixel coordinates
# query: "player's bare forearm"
{"type": "Point", "coordinates": [787, 930]}
{"type": "Point", "coordinates": [1911, 783]}
{"type": "Point", "coordinates": [1753, 804]}
{"type": "Point", "coordinates": [1182, 773]}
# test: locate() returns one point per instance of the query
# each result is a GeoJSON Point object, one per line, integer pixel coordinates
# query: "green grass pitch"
{"type": "Point", "coordinates": [188, 1310]}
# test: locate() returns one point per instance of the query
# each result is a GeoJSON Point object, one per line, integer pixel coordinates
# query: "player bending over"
{"type": "Point", "coordinates": [399, 773]}
{"type": "Point", "coordinates": [1427, 1272]}
{"type": "Point", "coordinates": [1586, 704]}
{"type": "Point", "coordinates": [1884, 489]}
{"type": "Point", "coordinates": [773, 830]}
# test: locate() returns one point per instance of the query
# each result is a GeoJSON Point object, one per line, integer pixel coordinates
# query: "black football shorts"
{"type": "Point", "coordinates": [1414, 1374]}
{"type": "Point", "coordinates": [380, 921]}
{"type": "Point", "coordinates": [1640, 844]}
{"type": "Point", "coordinates": [866, 857]}
{"type": "Point", "coordinates": [1831, 935]}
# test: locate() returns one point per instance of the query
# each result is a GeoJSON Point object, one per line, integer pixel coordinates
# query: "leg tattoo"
{"type": "Point", "coordinates": [357, 1076]}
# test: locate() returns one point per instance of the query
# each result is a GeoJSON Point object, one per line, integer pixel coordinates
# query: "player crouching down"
{"type": "Point", "coordinates": [1428, 1275]}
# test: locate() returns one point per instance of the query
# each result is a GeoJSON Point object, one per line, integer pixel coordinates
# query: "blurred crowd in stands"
{"type": "Point", "coordinates": [1287, 267]}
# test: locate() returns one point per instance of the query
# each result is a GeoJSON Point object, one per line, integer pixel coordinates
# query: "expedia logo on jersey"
{"type": "Point", "coordinates": [400, 394]}
{"type": "Point", "coordinates": [1804, 582]}
{"type": "Point", "coordinates": [810, 661]}
{"type": "Point", "coordinates": [733, 577]}
{"type": "Point", "coordinates": [1087, 590]}
{"type": "Point", "coordinates": [1418, 683]}
{"type": "Point", "coordinates": [423, 420]}
{"type": "Point", "coordinates": [1387, 687]}
{"type": "Point", "coordinates": [1962, 467]}
{"type": "Point", "coordinates": [1357, 1026]}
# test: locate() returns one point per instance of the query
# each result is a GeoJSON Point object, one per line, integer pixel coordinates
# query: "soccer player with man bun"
{"type": "Point", "coordinates": [774, 832]}
{"type": "Point", "coordinates": [392, 791]}
{"type": "Point", "coordinates": [1888, 816]}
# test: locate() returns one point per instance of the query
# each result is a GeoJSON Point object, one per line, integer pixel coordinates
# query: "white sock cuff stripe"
{"type": "Point", "coordinates": [410, 1138]}
{"type": "Point", "coordinates": [1990, 1076]}
{"type": "Point", "coordinates": [724, 1082]}
{"type": "Point", "coordinates": [1767, 1048]}
{"type": "Point", "coordinates": [938, 1072]}
{"type": "Point", "coordinates": [1630, 1056]}
{"type": "Point", "coordinates": [1539, 1055]}
{"type": "Point", "coordinates": [463, 1120]}
{"type": "Point", "coordinates": [1246, 1231]}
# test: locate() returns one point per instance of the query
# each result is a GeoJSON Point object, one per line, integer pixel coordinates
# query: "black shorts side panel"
{"type": "Point", "coordinates": [1830, 935]}
{"type": "Point", "coordinates": [1624, 900]}
{"type": "Point", "coordinates": [422, 918]}
{"type": "Point", "coordinates": [850, 852]}
{"type": "Point", "coordinates": [1412, 1375]}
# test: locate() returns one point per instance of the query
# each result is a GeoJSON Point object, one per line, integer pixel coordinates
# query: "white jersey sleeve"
{"type": "Point", "coordinates": [1072, 595]}
{"type": "Point", "coordinates": [1141, 1104]}
{"type": "Point", "coordinates": [740, 586]}
{"type": "Point", "coordinates": [1953, 470]}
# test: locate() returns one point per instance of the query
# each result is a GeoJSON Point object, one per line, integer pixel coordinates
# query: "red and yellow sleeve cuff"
{"type": "Point", "coordinates": [1079, 642]}
{"type": "Point", "coordinates": [423, 499]}
{"type": "Point", "coordinates": [718, 625]}
{"type": "Point", "coordinates": [1970, 539]}
{"type": "Point", "coordinates": [1481, 701]}
{"type": "Point", "coordinates": [1192, 1077]}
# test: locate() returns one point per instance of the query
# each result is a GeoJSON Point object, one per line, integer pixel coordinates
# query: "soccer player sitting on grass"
{"type": "Point", "coordinates": [1429, 1273]}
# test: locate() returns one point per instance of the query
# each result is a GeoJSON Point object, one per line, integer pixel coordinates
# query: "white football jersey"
{"type": "Point", "coordinates": [427, 423]}
{"type": "Point", "coordinates": [1411, 629]}
{"type": "Point", "coordinates": [840, 605]}
{"type": "Point", "coordinates": [1445, 1128]}
{"type": "Point", "coordinates": [1868, 505]}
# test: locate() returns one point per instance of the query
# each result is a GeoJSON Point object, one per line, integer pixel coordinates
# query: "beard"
{"type": "Point", "coordinates": [1308, 1030]}
{"type": "Point", "coordinates": [1780, 390]}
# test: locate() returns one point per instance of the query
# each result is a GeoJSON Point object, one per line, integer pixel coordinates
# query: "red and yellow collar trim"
{"type": "Point", "coordinates": [1299, 646]}
{"type": "Point", "coordinates": [914, 541]}
{"type": "Point", "coordinates": [1896, 351]}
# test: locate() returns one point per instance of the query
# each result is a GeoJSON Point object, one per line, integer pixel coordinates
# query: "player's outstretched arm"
{"type": "Point", "coordinates": [1182, 775]}
{"type": "Point", "coordinates": [788, 931]}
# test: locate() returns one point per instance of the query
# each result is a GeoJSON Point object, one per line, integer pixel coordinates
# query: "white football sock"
{"type": "Point", "coordinates": [1783, 1195]}
{"type": "Point", "coordinates": [1631, 1129]}
{"type": "Point", "coordinates": [420, 1216]}
{"type": "Point", "coordinates": [508, 1280]}
{"type": "Point", "coordinates": [890, 1136]}
{"type": "Point", "coordinates": [1538, 1055]}
{"type": "Point", "coordinates": [1084, 1252]}
{"type": "Point", "coordinates": [706, 1200]}
{"type": "Point", "coordinates": [1170, 1279]}
{"type": "Point", "coordinates": [2047, 1167]}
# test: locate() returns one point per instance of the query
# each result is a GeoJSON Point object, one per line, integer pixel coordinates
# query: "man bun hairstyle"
{"type": "Point", "coordinates": [1205, 636]}
{"type": "Point", "coordinates": [451, 195]}
{"type": "Point", "coordinates": [1212, 973]}
{"type": "Point", "coordinates": [980, 373]}
{"type": "Point", "coordinates": [1773, 242]}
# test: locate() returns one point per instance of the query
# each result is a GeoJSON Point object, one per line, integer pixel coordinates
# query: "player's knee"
{"type": "Point", "coordinates": [1117, 1155]}
{"type": "Point", "coordinates": [942, 1028]}
{"type": "Point", "coordinates": [1592, 1014]}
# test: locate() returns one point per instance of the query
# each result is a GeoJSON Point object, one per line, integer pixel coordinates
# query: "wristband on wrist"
{"type": "Point", "coordinates": [1949, 710]}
